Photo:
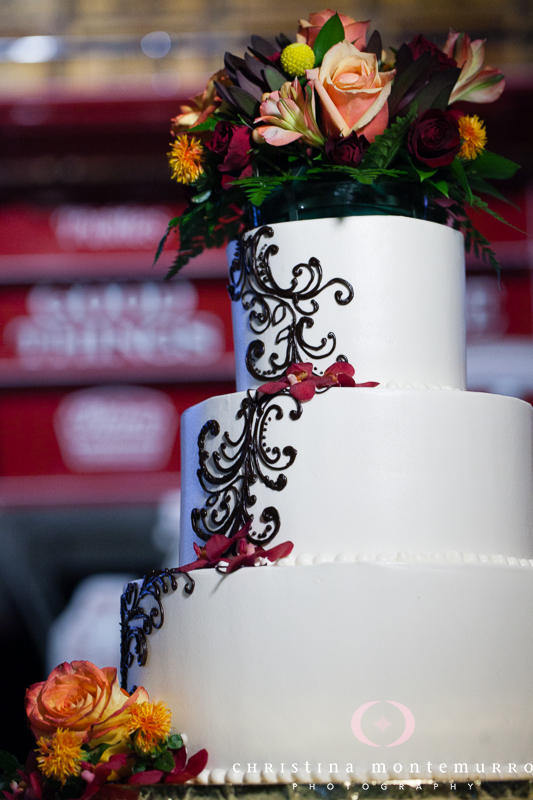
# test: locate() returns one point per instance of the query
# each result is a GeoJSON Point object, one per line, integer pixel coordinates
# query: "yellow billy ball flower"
{"type": "Point", "coordinates": [185, 159]}
{"type": "Point", "coordinates": [150, 724]}
{"type": "Point", "coordinates": [473, 137]}
{"type": "Point", "coordinates": [296, 58]}
{"type": "Point", "coordinates": [60, 756]}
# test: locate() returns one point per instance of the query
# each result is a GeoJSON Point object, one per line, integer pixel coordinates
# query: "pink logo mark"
{"type": "Point", "coordinates": [383, 723]}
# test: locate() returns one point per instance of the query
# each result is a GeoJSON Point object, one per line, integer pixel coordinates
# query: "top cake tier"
{"type": "Point", "coordinates": [385, 293]}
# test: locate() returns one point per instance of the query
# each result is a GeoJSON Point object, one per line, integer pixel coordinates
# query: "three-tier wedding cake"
{"type": "Point", "coordinates": [396, 640]}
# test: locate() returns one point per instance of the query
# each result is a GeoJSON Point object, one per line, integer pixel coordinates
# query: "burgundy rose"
{"type": "Point", "coordinates": [221, 138]}
{"type": "Point", "coordinates": [346, 150]}
{"type": "Point", "coordinates": [420, 45]}
{"type": "Point", "coordinates": [434, 138]}
{"type": "Point", "coordinates": [234, 143]}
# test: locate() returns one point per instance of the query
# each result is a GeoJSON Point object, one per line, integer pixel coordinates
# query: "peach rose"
{"type": "Point", "coordinates": [82, 698]}
{"type": "Point", "coordinates": [309, 30]}
{"type": "Point", "coordinates": [352, 91]}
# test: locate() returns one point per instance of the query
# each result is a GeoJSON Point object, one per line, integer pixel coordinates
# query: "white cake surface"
{"type": "Point", "coordinates": [383, 470]}
{"type": "Point", "coordinates": [396, 641]}
{"type": "Point", "coordinates": [268, 666]}
{"type": "Point", "coordinates": [405, 322]}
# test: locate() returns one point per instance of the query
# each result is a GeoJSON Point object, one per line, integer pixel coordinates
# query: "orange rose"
{"type": "Point", "coordinates": [82, 698]}
{"type": "Point", "coordinates": [353, 31]}
{"type": "Point", "coordinates": [352, 91]}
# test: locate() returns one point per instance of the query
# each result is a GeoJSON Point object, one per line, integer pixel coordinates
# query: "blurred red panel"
{"type": "Point", "coordinates": [141, 331]}
{"type": "Point", "coordinates": [95, 444]}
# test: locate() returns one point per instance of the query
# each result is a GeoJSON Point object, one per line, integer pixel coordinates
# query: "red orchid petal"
{"type": "Point", "coordinates": [197, 762]}
{"type": "Point", "coordinates": [202, 562]}
{"type": "Point", "coordinates": [345, 380]}
{"type": "Point", "coordinates": [324, 380]}
{"type": "Point", "coordinates": [197, 549]}
{"type": "Point", "coordinates": [340, 368]}
{"type": "Point", "coordinates": [303, 391]}
{"type": "Point", "coordinates": [280, 551]}
{"type": "Point", "coordinates": [274, 386]}
{"type": "Point", "coordinates": [244, 531]}
{"type": "Point", "coordinates": [301, 369]}
{"type": "Point", "coordinates": [368, 383]}
{"type": "Point", "coordinates": [180, 759]}
{"type": "Point", "coordinates": [242, 561]}
{"type": "Point", "coordinates": [147, 777]}
{"type": "Point", "coordinates": [216, 546]}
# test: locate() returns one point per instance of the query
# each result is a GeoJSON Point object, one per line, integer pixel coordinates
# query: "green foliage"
{"type": "Point", "coordinates": [257, 189]}
{"type": "Point", "coordinates": [386, 147]}
{"type": "Point", "coordinates": [208, 125]}
{"type": "Point", "coordinates": [366, 176]}
{"type": "Point", "coordinates": [164, 761]}
{"type": "Point", "coordinates": [491, 165]}
{"type": "Point", "coordinates": [461, 177]}
{"type": "Point", "coordinates": [330, 34]}
{"type": "Point", "coordinates": [175, 742]}
{"type": "Point", "coordinates": [93, 756]}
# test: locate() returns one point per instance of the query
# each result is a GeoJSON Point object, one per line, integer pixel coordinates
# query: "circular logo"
{"type": "Point", "coordinates": [383, 723]}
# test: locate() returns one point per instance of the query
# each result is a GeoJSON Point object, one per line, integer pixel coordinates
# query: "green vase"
{"type": "Point", "coordinates": [315, 200]}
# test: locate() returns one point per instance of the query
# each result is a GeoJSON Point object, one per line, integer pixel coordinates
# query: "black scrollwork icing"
{"type": "Point", "coordinates": [230, 471]}
{"type": "Point", "coordinates": [289, 310]}
{"type": "Point", "coordinates": [141, 612]}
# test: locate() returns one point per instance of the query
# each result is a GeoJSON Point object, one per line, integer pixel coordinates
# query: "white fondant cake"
{"type": "Point", "coordinates": [402, 619]}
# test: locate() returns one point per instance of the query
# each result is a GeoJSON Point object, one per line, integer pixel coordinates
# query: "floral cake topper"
{"type": "Point", "coordinates": [332, 105]}
{"type": "Point", "coordinates": [91, 734]}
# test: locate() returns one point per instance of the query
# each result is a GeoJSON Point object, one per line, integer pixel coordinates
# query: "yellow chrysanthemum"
{"type": "Point", "coordinates": [59, 757]}
{"type": "Point", "coordinates": [473, 137]}
{"type": "Point", "coordinates": [185, 159]}
{"type": "Point", "coordinates": [150, 724]}
{"type": "Point", "coordinates": [296, 58]}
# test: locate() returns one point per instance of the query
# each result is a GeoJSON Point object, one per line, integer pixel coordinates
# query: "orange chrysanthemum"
{"type": "Point", "coordinates": [185, 159]}
{"type": "Point", "coordinates": [60, 756]}
{"type": "Point", "coordinates": [473, 137]}
{"type": "Point", "coordinates": [150, 724]}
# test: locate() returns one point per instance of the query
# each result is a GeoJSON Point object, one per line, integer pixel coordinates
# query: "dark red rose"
{"type": "Point", "coordinates": [347, 151]}
{"type": "Point", "coordinates": [221, 138]}
{"type": "Point", "coordinates": [420, 45]}
{"type": "Point", "coordinates": [434, 138]}
{"type": "Point", "coordinates": [238, 153]}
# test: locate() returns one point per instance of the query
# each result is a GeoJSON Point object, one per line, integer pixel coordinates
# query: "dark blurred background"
{"type": "Point", "coordinates": [99, 356]}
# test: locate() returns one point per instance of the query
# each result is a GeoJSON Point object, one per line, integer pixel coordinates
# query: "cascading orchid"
{"type": "Point", "coordinates": [290, 115]}
{"type": "Point", "coordinates": [477, 84]}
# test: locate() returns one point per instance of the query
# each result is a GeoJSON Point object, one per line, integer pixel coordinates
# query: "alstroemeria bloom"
{"type": "Point", "coordinates": [198, 108]}
{"type": "Point", "coordinates": [352, 91]}
{"type": "Point", "coordinates": [477, 84]}
{"type": "Point", "coordinates": [290, 115]}
{"type": "Point", "coordinates": [354, 31]}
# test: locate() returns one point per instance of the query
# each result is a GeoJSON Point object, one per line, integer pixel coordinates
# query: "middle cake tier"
{"type": "Point", "coordinates": [361, 470]}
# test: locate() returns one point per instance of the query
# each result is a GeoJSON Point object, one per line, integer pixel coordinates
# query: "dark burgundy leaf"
{"type": "Point", "coordinates": [374, 45]}
{"type": "Point", "coordinates": [266, 48]}
{"type": "Point", "coordinates": [274, 78]}
{"type": "Point", "coordinates": [249, 86]}
{"type": "Point", "coordinates": [254, 66]}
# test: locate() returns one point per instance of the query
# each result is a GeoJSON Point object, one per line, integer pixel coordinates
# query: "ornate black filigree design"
{"type": "Point", "coordinates": [288, 309]}
{"type": "Point", "coordinates": [141, 612]}
{"type": "Point", "coordinates": [237, 464]}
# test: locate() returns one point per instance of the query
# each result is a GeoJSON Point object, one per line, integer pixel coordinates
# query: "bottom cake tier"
{"type": "Point", "coordinates": [416, 668]}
